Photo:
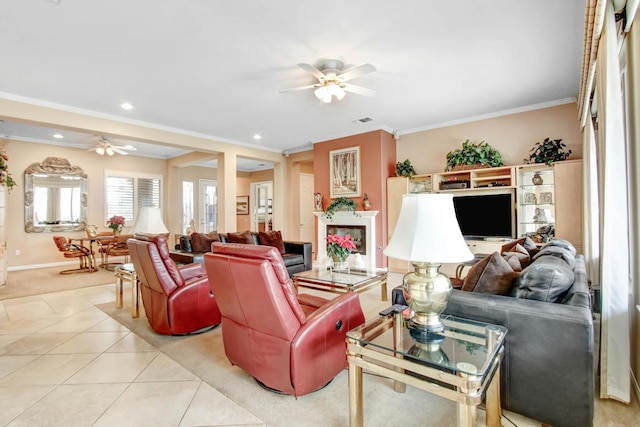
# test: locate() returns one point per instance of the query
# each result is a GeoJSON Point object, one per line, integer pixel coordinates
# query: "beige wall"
{"type": "Point", "coordinates": [513, 136]}
{"type": "Point", "coordinates": [38, 248]}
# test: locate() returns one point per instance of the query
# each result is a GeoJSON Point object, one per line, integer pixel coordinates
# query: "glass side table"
{"type": "Point", "coordinates": [460, 363]}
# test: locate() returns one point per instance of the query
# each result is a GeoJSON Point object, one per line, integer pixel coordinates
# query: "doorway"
{"type": "Point", "coordinates": [208, 215]}
{"type": "Point", "coordinates": [307, 218]}
{"type": "Point", "coordinates": [261, 202]}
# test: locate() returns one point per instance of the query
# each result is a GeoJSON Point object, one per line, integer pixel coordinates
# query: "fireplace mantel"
{"type": "Point", "coordinates": [365, 218]}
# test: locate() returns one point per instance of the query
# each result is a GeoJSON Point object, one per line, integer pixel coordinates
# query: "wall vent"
{"type": "Point", "coordinates": [363, 120]}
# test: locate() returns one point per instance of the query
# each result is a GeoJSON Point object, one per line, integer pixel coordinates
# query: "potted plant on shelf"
{"type": "Point", "coordinates": [473, 156]}
{"type": "Point", "coordinates": [340, 204]}
{"type": "Point", "coordinates": [548, 151]}
{"type": "Point", "coordinates": [405, 169]}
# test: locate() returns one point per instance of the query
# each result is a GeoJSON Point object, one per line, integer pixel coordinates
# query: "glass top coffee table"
{"type": "Point", "coordinates": [342, 281]}
{"type": "Point", "coordinates": [460, 364]}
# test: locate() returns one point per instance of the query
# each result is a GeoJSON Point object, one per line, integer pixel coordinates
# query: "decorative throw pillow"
{"type": "Point", "coordinates": [520, 253]}
{"type": "Point", "coordinates": [214, 235]}
{"type": "Point", "coordinates": [244, 237]}
{"type": "Point", "coordinates": [513, 261]}
{"type": "Point", "coordinates": [492, 275]}
{"type": "Point", "coordinates": [272, 238]}
{"type": "Point", "coordinates": [525, 242]}
{"type": "Point", "coordinates": [547, 279]}
{"type": "Point", "coordinates": [201, 242]}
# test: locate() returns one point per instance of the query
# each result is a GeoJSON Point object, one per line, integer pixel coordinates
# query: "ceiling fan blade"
{"type": "Point", "coordinates": [312, 70]}
{"type": "Point", "coordinates": [125, 147]}
{"type": "Point", "coordinates": [358, 71]}
{"type": "Point", "coordinates": [357, 89]}
{"type": "Point", "coordinates": [294, 89]}
{"type": "Point", "coordinates": [119, 150]}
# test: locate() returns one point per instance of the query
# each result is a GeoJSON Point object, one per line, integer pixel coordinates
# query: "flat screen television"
{"type": "Point", "coordinates": [485, 216]}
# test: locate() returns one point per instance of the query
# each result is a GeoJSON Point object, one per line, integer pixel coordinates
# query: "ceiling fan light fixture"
{"type": "Point", "coordinates": [337, 91]}
{"type": "Point", "coordinates": [320, 92]}
{"type": "Point", "coordinates": [100, 150]}
{"type": "Point", "coordinates": [109, 151]}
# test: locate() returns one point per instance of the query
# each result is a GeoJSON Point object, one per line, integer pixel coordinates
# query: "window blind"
{"type": "Point", "coordinates": [119, 193]}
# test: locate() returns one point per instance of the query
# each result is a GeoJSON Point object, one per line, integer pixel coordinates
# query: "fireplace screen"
{"type": "Point", "coordinates": [358, 235]}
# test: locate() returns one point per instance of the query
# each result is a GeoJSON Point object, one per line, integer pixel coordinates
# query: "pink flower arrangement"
{"type": "Point", "coordinates": [116, 223]}
{"type": "Point", "coordinates": [339, 247]}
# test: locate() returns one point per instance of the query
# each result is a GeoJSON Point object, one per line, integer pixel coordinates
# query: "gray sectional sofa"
{"type": "Point", "coordinates": [548, 368]}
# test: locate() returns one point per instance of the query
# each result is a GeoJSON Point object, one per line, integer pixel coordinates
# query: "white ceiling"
{"type": "Point", "coordinates": [216, 68]}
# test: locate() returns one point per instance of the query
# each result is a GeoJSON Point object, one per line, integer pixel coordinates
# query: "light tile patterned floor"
{"type": "Point", "coordinates": [63, 362]}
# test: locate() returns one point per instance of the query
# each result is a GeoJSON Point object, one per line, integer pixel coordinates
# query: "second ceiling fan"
{"type": "Point", "coordinates": [105, 147]}
{"type": "Point", "coordinates": [332, 81]}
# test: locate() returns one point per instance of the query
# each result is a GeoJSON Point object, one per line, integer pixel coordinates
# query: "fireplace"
{"type": "Point", "coordinates": [358, 234]}
{"type": "Point", "coordinates": [361, 226]}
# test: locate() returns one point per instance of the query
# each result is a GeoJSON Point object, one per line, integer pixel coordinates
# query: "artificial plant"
{"type": "Point", "coordinates": [548, 151]}
{"type": "Point", "coordinates": [474, 154]}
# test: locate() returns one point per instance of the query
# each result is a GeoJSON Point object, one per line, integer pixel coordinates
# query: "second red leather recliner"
{"type": "Point", "coordinates": [177, 300]}
{"type": "Point", "coordinates": [290, 342]}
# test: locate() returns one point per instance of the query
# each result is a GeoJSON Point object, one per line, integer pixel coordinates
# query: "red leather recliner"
{"type": "Point", "coordinates": [177, 300]}
{"type": "Point", "coordinates": [289, 342]}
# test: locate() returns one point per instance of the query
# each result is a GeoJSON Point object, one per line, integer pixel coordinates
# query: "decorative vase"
{"type": "Point", "coordinates": [338, 264]}
{"type": "Point", "coordinates": [366, 204]}
{"type": "Point", "coordinates": [537, 179]}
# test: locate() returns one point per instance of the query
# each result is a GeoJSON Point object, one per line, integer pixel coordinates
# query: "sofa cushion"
{"type": "Point", "coordinates": [202, 242]}
{"type": "Point", "coordinates": [563, 244]}
{"type": "Point", "coordinates": [547, 279]}
{"type": "Point", "coordinates": [292, 259]}
{"type": "Point", "coordinates": [557, 251]}
{"type": "Point", "coordinates": [272, 238]}
{"type": "Point", "coordinates": [244, 237]}
{"type": "Point", "coordinates": [493, 275]}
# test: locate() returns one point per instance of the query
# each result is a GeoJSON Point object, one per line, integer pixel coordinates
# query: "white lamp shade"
{"type": "Point", "coordinates": [149, 221]}
{"type": "Point", "coordinates": [428, 231]}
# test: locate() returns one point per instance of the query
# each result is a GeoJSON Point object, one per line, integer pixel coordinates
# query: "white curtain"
{"type": "Point", "coordinates": [615, 274]}
{"type": "Point", "coordinates": [591, 204]}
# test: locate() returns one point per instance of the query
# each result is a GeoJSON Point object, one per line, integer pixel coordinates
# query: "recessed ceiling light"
{"type": "Point", "coordinates": [257, 136]}
{"type": "Point", "coordinates": [126, 106]}
{"type": "Point", "coordinates": [58, 136]}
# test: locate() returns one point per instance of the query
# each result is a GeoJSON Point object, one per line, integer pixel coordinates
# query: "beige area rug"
{"type": "Point", "coordinates": [37, 281]}
{"type": "Point", "coordinates": [204, 356]}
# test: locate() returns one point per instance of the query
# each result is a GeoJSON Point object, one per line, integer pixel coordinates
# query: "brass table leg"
{"type": "Point", "coordinates": [494, 411]}
{"type": "Point", "coordinates": [356, 411]}
{"type": "Point", "coordinates": [466, 413]}
{"type": "Point", "coordinates": [398, 328]}
{"type": "Point", "coordinates": [119, 286]}
{"type": "Point", "coordinates": [384, 289]}
{"type": "Point", "coordinates": [135, 295]}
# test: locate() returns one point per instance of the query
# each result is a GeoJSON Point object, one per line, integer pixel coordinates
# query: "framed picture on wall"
{"type": "Point", "coordinates": [242, 205]}
{"type": "Point", "coordinates": [344, 172]}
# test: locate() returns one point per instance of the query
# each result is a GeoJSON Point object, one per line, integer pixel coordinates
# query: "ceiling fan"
{"type": "Point", "coordinates": [105, 147]}
{"type": "Point", "coordinates": [332, 80]}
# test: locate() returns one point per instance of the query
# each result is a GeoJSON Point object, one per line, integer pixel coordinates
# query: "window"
{"type": "Point", "coordinates": [126, 192]}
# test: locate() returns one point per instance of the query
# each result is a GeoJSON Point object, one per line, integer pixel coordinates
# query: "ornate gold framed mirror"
{"type": "Point", "coordinates": [55, 197]}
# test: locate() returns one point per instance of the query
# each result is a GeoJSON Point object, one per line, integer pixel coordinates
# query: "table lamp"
{"type": "Point", "coordinates": [427, 234]}
{"type": "Point", "coordinates": [149, 222]}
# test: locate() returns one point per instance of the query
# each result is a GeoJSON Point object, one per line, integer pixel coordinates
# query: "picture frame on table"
{"type": "Point", "coordinates": [242, 205]}
{"type": "Point", "coordinates": [344, 172]}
